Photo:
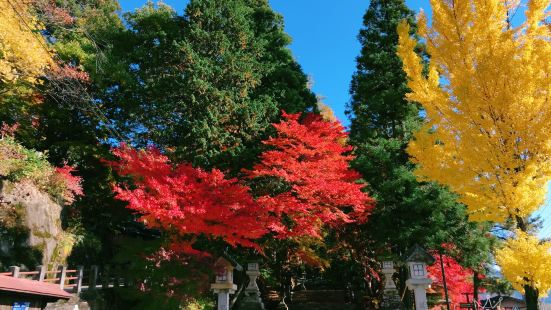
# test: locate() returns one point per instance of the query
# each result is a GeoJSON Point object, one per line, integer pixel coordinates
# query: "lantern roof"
{"type": "Point", "coordinates": [418, 254]}
{"type": "Point", "coordinates": [228, 262]}
{"type": "Point", "coordinates": [222, 262]}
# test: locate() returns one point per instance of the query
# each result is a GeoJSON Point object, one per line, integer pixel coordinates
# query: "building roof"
{"type": "Point", "coordinates": [24, 286]}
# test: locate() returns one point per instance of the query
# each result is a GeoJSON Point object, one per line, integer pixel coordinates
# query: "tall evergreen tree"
{"type": "Point", "coordinates": [407, 211]}
{"type": "Point", "coordinates": [378, 108]}
{"type": "Point", "coordinates": [207, 84]}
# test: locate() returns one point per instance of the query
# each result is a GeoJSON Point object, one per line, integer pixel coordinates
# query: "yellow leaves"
{"type": "Point", "coordinates": [326, 112]}
{"type": "Point", "coordinates": [22, 54]}
{"type": "Point", "coordinates": [535, 13]}
{"type": "Point", "coordinates": [488, 118]}
{"type": "Point", "coordinates": [525, 261]}
{"type": "Point", "coordinates": [486, 100]}
{"type": "Point", "coordinates": [412, 62]}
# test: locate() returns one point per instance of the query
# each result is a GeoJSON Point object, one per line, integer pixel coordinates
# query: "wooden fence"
{"type": "Point", "coordinates": [74, 280]}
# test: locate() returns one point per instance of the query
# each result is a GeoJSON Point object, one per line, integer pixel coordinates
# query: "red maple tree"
{"type": "Point", "coordinates": [459, 280]}
{"type": "Point", "coordinates": [72, 183]}
{"type": "Point", "coordinates": [310, 156]}
{"type": "Point", "coordinates": [188, 200]}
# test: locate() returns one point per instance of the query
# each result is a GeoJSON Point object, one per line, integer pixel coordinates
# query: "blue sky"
{"type": "Point", "coordinates": [324, 43]}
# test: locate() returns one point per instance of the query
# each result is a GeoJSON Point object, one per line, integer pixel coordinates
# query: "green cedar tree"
{"type": "Point", "coordinates": [382, 122]}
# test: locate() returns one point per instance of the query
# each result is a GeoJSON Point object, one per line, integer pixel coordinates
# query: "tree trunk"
{"type": "Point", "coordinates": [476, 285]}
{"type": "Point", "coordinates": [444, 281]}
{"type": "Point", "coordinates": [531, 296]}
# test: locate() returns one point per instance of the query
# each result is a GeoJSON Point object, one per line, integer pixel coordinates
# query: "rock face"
{"type": "Point", "coordinates": [37, 213]}
{"type": "Point", "coordinates": [74, 303]}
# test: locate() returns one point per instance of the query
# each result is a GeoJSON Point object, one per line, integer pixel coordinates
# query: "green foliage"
{"type": "Point", "coordinates": [206, 85]}
{"type": "Point", "coordinates": [498, 285]}
{"type": "Point", "coordinates": [21, 164]}
{"type": "Point", "coordinates": [378, 107]}
{"type": "Point", "coordinates": [80, 38]}
{"type": "Point", "coordinates": [165, 279]}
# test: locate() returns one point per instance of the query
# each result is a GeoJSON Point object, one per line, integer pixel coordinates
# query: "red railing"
{"type": "Point", "coordinates": [72, 280]}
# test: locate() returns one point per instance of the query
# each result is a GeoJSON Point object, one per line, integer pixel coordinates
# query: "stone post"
{"type": "Point", "coordinates": [62, 276]}
{"type": "Point", "coordinates": [223, 300]}
{"type": "Point", "coordinates": [80, 275]}
{"type": "Point", "coordinates": [252, 300]}
{"type": "Point", "coordinates": [388, 271]}
{"type": "Point", "coordinates": [14, 271]}
{"type": "Point", "coordinates": [419, 287]}
{"type": "Point", "coordinates": [391, 298]}
{"type": "Point", "coordinates": [41, 273]}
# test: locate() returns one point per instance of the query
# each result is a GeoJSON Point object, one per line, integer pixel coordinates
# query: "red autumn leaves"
{"type": "Point", "coordinates": [307, 158]}
{"type": "Point", "coordinates": [459, 280]}
{"type": "Point", "coordinates": [188, 200]}
{"type": "Point", "coordinates": [310, 156]}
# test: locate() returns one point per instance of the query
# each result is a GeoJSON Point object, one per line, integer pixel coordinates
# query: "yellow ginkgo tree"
{"type": "Point", "coordinates": [487, 99]}
{"type": "Point", "coordinates": [23, 53]}
{"type": "Point", "coordinates": [525, 262]}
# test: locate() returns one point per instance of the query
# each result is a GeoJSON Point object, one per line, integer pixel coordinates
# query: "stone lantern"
{"type": "Point", "coordinates": [418, 277]}
{"type": "Point", "coordinates": [252, 300]}
{"type": "Point", "coordinates": [391, 298]}
{"type": "Point", "coordinates": [223, 285]}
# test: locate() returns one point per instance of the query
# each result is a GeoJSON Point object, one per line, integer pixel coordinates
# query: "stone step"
{"type": "Point", "coordinates": [319, 296]}
{"type": "Point", "coordinates": [321, 306]}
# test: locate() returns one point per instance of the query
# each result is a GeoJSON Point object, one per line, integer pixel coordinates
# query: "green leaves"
{"type": "Point", "coordinates": [207, 84]}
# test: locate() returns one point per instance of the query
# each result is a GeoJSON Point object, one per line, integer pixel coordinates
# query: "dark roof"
{"type": "Point", "coordinates": [24, 286]}
{"type": "Point", "coordinates": [418, 254]}
{"type": "Point", "coordinates": [234, 262]}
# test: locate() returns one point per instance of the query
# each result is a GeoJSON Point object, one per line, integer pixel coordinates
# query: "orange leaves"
{"type": "Point", "coordinates": [72, 183]}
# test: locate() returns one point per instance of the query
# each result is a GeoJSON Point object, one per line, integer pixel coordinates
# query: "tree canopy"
{"type": "Point", "coordinates": [307, 156]}
{"type": "Point", "coordinates": [207, 83]}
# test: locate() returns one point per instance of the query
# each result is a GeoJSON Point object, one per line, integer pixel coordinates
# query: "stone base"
{"type": "Point", "coordinates": [282, 306]}
{"type": "Point", "coordinates": [251, 306]}
{"type": "Point", "coordinates": [391, 301]}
